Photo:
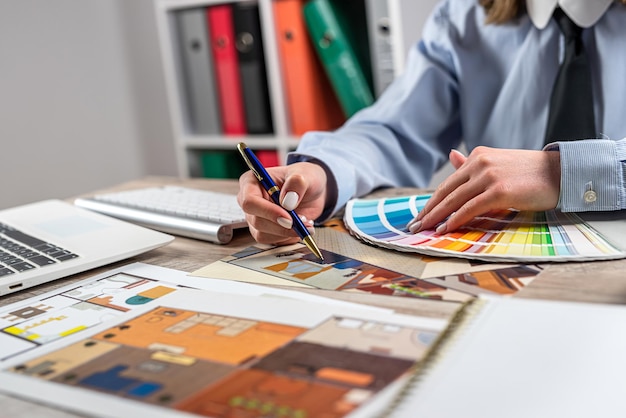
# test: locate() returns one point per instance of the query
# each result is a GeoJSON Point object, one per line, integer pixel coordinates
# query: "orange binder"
{"type": "Point", "coordinates": [311, 101]}
{"type": "Point", "coordinates": [230, 98]}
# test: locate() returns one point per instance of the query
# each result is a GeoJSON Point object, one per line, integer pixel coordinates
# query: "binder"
{"type": "Point", "coordinates": [221, 164]}
{"type": "Point", "coordinates": [339, 33]}
{"type": "Point", "coordinates": [197, 70]}
{"type": "Point", "coordinates": [514, 358]}
{"type": "Point", "coordinates": [381, 51]}
{"type": "Point", "coordinates": [222, 35]}
{"type": "Point", "coordinates": [311, 101]}
{"type": "Point", "coordinates": [252, 71]}
{"type": "Point", "coordinates": [268, 158]}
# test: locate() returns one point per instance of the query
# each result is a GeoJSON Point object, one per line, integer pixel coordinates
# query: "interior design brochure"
{"type": "Point", "coordinates": [30, 324]}
{"type": "Point", "coordinates": [208, 353]}
{"type": "Point", "coordinates": [350, 265]}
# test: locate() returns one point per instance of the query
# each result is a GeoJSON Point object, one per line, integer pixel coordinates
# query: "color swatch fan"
{"type": "Point", "coordinates": [505, 235]}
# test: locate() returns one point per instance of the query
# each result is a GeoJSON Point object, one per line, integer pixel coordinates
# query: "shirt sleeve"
{"type": "Point", "coordinates": [592, 175]}
{"type": "Point", "coordinates": [405, 136]}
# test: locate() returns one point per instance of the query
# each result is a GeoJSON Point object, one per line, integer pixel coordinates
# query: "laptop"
{"type": "Point", "coordinates": [51, 239]}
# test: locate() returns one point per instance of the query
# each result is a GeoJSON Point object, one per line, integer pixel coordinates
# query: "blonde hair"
{"type": "Point", "coordinates": [502, 11]}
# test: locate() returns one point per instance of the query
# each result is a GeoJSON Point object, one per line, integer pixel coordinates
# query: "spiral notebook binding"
{"type": "Point", "coordinates": [437, 351]}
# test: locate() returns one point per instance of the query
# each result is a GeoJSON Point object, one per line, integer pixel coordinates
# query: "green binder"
{"type": "Point", "coordinates": [221, 164]}
{"type": "Point", "coordinates": [338, 30]}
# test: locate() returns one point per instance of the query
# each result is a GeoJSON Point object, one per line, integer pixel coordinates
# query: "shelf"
{"type": "Point", "coordinates": [222, 142]}
{"type": "Point", "coordinates": [191, 147]}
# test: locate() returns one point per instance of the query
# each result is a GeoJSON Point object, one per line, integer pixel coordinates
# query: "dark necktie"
{"type": "Point", "coordinates": [571, 105]}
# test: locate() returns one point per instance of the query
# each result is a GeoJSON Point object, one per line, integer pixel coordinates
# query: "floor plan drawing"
{"type": "Point", "coordinates": [212, 363]}
{"type": "Point", "coordinates": [337, 272]}
{"type": "Point", "coordinates": [50, 318]}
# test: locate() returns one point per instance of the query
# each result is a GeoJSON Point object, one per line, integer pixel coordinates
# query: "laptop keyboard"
{"type": "Point", "coordinates": [200, 214]}
{"type": "Point", "coordinates": [22, 252]}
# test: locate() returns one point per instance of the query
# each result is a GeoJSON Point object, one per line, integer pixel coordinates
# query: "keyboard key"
{"type": "Point", "coordinates": [41, 260]}
{"type": "Point", "coordinates": [5, 256]}
{"type": "Point", "coordinates": [22, 266]}
{"type": "Point", "coordinates": [5, 271]}
{"type": "Point", "coordinates": [22, 252]}
{"type": "Point", "coordinates": [67, 256]}
{"type": "Point", "coordinates": [12, 260]}
{"type": "Point", "coordinates": [58, 253]}
{"type": "Point", "coordinates": [23, 238]}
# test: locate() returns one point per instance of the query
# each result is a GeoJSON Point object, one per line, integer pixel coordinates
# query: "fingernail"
{"type": "Point", "coordinates": [441, 229]}
{"type": "Point", "coordinates": [290, 200]}
{"type": "Point", "coordinates": [415, 226]}
{"type": "Point", "coordinates": [308, 223]}
{"type": "Point", "coordinates": [286, 223]}
{"type": "Point", "coordinates": [457, 151]}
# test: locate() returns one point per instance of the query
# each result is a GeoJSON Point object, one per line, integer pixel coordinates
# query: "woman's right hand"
{"type": "Point", "coordinates": [303, 189]}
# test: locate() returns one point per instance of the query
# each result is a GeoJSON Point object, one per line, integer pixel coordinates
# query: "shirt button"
{"type": "Point", "coordinates": [590, 196]}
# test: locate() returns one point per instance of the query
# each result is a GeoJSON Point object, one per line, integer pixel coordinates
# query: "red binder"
{"type": "Point", "coordinates": [311, 101]}
{"type": "Point", "coordinates": [222, 35]}
{"type": "Point", "coordinates": [269, 158]}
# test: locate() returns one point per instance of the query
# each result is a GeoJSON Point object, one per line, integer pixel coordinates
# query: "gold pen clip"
{"type": "Point", "coordinates": [241, 147]}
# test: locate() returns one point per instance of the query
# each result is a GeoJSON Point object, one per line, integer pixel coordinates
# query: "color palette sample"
{"type": "Point", "coordinates": [495, 236]}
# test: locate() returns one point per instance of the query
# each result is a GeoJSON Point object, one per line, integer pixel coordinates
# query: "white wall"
{"type": "Point", "coordinates": [411, 15]}
{"type": "Point", "coordinates": [75, 112]}
{"type": "Point", "coordinates": [144, 62]}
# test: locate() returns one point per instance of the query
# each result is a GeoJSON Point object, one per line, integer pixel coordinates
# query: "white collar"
{"type": "Point", "coordinates": [583, 12]}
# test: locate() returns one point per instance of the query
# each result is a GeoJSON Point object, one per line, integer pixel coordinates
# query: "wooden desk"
{"type": "Point", "coordinates": [189, 255]}
{"type": "Point", "coordinates": [588, 282]}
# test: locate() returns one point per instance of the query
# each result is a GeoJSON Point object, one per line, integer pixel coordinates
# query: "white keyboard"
{"type": "Point", "coordinates": [200, 214]}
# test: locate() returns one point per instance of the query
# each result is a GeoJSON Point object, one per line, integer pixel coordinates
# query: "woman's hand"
{"type": "Point", "coordinates": [490, 179]}
{"type": "Point", "coordinates": [303, 187]}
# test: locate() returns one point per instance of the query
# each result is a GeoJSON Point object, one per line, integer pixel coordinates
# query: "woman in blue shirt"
{"type": "Point", "coordinates": [482, 74]}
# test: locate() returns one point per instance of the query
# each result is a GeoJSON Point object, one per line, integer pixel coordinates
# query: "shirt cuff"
{"type": "Point", "coordinates": [590, 175]}
{"type": "Point", "coordinates": [332, 199]}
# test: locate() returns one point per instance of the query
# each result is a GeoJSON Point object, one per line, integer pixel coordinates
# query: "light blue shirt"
{"type": "Point", "coordinates": [483, 85]}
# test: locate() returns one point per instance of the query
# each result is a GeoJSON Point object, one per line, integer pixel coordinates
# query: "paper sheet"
{"type": "Point", "coordinates": [35, 322]}
{"type": "Point", "coordinates": [519, 358]}
{"type": "Point", "coordinates": [212, 353]}
{"type": "Point", "coordinates": [384, 272]}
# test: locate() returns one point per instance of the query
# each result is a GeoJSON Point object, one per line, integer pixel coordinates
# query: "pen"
{"type": "Point", "coordinates": [274, 191]}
